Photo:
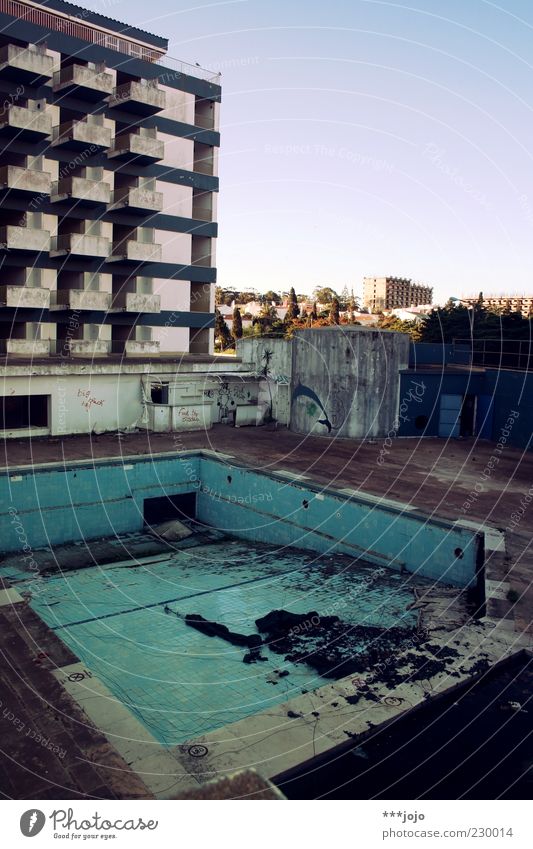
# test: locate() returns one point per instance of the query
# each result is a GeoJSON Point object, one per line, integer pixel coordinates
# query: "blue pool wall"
{"type": "Point", "coordinates": [54, 505]}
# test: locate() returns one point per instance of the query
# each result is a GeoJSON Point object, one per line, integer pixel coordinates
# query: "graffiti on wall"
{"type": "Point", "coordinates": [313, 404]}
{"type": "Point", "coordinates": [228, 395]}
{"type": "Point", "coordinates": [88, 399]}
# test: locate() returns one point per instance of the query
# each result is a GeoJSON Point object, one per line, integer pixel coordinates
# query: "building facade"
{"type": "Point", "coordinates": [510, 303]}
{"type": "Point", "coordinates": [387, 293]}
{"type": "Point", "coordinates": [108, 188]}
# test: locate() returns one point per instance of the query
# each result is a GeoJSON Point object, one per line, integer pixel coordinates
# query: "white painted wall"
{"type": "Point", "coordinates": [83, 403]}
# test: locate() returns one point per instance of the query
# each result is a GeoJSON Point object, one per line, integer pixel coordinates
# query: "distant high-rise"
{"type": "Point", "coordinates": [387, 293]}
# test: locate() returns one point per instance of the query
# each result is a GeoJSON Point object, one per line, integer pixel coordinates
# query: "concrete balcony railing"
{"type": "Point", "coordinates": [25, 64]}
{"type": "Point", "coordinates": [206, 121]}
{"type": "Point", "coordinates": [79, 244]}
{"type": "Point", "coordinates": [204, 166]}
{"type": "Point", "coordinates": [88, 347]}
{"type": "Point", "coordinates": [140, 97]}
{"type": "Point", "coordinates": [133, 348]}
{"type": "Point", "coordinates": [134, 302]}
{"type": "Point", "coordinates": [142, 149]}
{"type": "Point", "coordinates": [14, 238]}
{"type": "Point", "coordinates": [201, 213]}
{"type": "Point", "coordinates": [83, 82]}
{"type": "Point", "coordinates": [25, 347]}
{"type": "Point", "coordinates": [133, 251]}
{"type": "Point", "coordinates": [204, 261]}
{"type": "Point", "coordinates": [77, 135]}
{"type": "Point", "coordinates": [24, 180]}
{"type": "Point", "coordinates": [24, 123]}
{"type": "Point", "coordinates": [137, 199]}
{"type": "Point", "coordinates": [81, 299]}
{"type": "Point", "coordinates": [81, 190]}
{"type": "Point", "coordinates": [24, 296]}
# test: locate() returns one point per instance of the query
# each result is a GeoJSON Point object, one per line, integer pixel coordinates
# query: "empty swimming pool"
{"type": "Point", "coordinates": [127, 623]}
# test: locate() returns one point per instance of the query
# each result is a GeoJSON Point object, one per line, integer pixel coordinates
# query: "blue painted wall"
{"type": "Point", "coordinates": [264, 508]}
{"type": "Point", "coordinates": [56, 505]}
{"type": "Point", "coordinates": [509, 391]}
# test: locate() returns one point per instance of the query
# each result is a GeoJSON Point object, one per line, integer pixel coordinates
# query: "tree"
{"type": "Point", "coordinates": [292, 311]}
{"type": "Point", "coordinates": [223, 338]}
{"type": "Point", "coordinates": [313, 315]}
{"type": "Point", "coordinates": [324, 294]}
{"type": "Point", "coordinates": [271, 296]}
{"type": "Point", "coordinates": [236, 329]}
{"type": "Point", "coordinates": [344, 298]}
{"type": "Point", "coordinates": [334, 314]}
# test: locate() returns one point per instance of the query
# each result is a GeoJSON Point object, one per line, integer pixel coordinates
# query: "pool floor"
{"type": "Point", "coordinates": [126, 622]}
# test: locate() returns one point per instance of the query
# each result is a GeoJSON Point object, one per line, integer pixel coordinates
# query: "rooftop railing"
{"type": "Point", "coordinates": [72, 26]}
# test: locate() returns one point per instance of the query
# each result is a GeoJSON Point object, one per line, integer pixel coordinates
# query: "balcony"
{"type": "Point", "coordinates": [80, 190]}
{"type": "Point", "coordinates": [25, 347]}
{"type": "Point", "coordinates": [83, 82]}
{"type": "Point", "coordinates": [137, 199]}
{"type": "Point", "coordinates": [143, 98]}
{"type": "Point", "coordinates": [142, 149]}
{"type": "Point", "coordinates": [13, 238]}
{"type": "Point", "coordinates": [133, 302]}
{"type": "Point", "coordinates": [20, 297]}
{"type": "Point", "coordinates": [24, 123]}
{"type": "Point", "coordinates": [133, 348]}
{"type": "Point", "coordinates": [79, 244]}
{"type": "Point", "coordinates": [133, 251]}
{"type": "Point", "coordinates": [30, 65]}
{"type": "Point", "coordinates": [19, 180]}
{"type": "Point", "coordinates": [79, 135]}
{"type": "Point", "coordinates": [81, 299]}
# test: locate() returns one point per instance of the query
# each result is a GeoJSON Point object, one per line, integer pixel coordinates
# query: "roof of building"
{"type": "Point", "coordinates": [89, 16]}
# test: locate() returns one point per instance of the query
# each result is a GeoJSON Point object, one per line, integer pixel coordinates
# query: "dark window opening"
{"type": "Point", "coordinates": [166, 507]}
{"type": "Point", "coordinates": [24, 411]}
{"type": "Point", "coordinates": [468, 412]}
{"type": "Point", "coordinates": [159, 393]}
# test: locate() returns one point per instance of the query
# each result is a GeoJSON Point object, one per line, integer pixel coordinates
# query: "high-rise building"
{"type": "Point", "coordinates": [108, 163]}
{"type": "Point", "coordinates": [387, 293]}
{"type": "Point", "coordinates": [108, 180]}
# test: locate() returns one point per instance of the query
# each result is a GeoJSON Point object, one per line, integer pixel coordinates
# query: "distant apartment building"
{"type": "Point", "coordinates": [512, 303]}
{"type": "Point", "coordinates": [387, 293]}
{"type": "Point", "coordinates": [108, 182]}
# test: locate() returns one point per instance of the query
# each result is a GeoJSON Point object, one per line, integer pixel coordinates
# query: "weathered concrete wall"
{"type": "Point", "coordinates": [255, 351]}
{"type": "Point", "coordinates": [345, 381]}
{"type": "Point", "coordinates": [252, 350]}
{"type": "Point", "coordinates": [84, 403]}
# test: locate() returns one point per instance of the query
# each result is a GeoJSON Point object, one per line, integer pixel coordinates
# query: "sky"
{"type": "Point", "coordinates": [366, 137]}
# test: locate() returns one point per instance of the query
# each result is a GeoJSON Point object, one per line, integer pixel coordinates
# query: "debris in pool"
{"type": "Point", "coordinates": [333, 648]}
{"type": "Point", "coordinates": [215, 629]}
{"type": "Point", "coordinates": [292, 715]}
{"type": "Point", "coordinates": [253, 656]}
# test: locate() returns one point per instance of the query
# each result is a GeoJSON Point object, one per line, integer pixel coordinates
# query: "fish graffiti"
{"type": "Point", "coordinates": [303, 391]}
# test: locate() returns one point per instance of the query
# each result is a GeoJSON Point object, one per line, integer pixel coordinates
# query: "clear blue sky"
{"type": "Point", "coordinates": [366, 137]}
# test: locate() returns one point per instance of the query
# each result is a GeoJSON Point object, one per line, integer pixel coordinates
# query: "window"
{"type": "Point", "coordinates": [23, 411]}
{"type": "Point", "coordinates": [159, 393]}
